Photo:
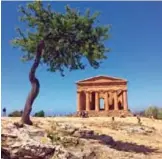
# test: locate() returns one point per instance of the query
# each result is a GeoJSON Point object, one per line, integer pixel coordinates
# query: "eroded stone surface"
{"type": "Point", "coordinates": [33, 143]}
{"type": "Point", "coordinates": [84, 139]}
{"type": "Point", "coordinates": [29, 142]}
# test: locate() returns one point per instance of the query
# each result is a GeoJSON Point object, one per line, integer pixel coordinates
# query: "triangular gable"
{"type": "Point", "coordinates": [97, 79]}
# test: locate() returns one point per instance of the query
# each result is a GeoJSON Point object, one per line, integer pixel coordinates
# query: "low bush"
{"type": "Point", "coordinates": [39, 114]}
{"type": "Point", "coordinates": [16, 114]}
{"type": "Point", "coordinates": [160, 114]}
{"type": "Point", "coordinates": [152, 111]}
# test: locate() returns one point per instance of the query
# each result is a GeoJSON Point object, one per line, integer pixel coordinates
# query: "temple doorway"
{"type": "Point", "coordinates": [102, 104]}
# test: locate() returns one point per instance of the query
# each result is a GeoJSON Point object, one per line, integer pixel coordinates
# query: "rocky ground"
{"type": "Point", "coordinates": [82, 138]}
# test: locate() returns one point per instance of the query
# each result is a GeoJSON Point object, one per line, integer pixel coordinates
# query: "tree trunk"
{"type": "Point", "coordinates": [35, 86]}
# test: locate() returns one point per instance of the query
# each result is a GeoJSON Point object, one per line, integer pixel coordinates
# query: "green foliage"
{"type": "Point", "coordinates": [61, 137]}
{"type": "Point", "coordinates": [52, 133]}
{"type": "Point", "coordinates": [152, 111]}
{"type": "Point", "coordinates": [39, 114]}
{"type": "Point", "coordinates": [160, 113]}
{"type": "Point", "coordinates": [68, 37]}
{"type": "Point", "coordinates": [16, 114]}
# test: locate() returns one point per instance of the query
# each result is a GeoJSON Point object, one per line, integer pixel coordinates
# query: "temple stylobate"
{"type": "Point", "coordinates": [102, 94]}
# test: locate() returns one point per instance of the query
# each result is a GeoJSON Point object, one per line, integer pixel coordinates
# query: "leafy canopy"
{"type": "Point", "coordinates": [15, 114]}
{"type": "Point", "coordinates": [68, 37]}
{"type": "Point", "coordinates": [39, 114]}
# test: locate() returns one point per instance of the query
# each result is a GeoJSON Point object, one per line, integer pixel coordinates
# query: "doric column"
{"type": "Point", "coordinates": [110, 98]}
{"type": "Point", "coordinates": [90, 96]}
{"type": "Point", "coordinates": [97, 102]}
{"type": "Point", "coordinates": [78, 102]}
{"type": "Point", "coordinates": [115, 100]}
{"type": "Point", "coordinates": [87, 102]}
{"type": "Point", "coordinates": [125, 100]}
{"type": "Point", "coordinates": [90, 100]}
{"type": "Point", "coordinates": [106, 101]}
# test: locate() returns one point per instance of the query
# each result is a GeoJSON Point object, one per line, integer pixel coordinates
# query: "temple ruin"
{"type": "Point", "coordinates": [102, 95]}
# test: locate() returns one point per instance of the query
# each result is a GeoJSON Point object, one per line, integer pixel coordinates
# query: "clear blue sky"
{"type": "Point", "coordinates": [136, 54]}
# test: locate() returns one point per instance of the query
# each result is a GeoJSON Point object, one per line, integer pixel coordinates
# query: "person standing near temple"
{"type": "Point", "coordinates": [4, 111]}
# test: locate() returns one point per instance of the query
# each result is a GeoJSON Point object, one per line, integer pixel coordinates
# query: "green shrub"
{"type": "Point", "coordinates": [16, 114]}
{"type": "Point", "coordinates": [52, 133]}
{"type": "Point", "coordinates": [39, 114]}
{"type": "Point", "coordinates": [152, 111]}
{"type": "Point", "coordinates": [160, 114]}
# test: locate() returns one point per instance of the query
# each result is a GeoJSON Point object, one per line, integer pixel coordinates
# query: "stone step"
{"type": "Point", "coordinates": [108, 113]}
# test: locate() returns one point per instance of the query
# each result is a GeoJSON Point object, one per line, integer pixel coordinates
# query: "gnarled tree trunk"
{"type": "Point", "coordinates": [35, 86]}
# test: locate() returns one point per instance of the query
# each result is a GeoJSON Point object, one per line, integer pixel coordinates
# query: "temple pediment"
{"type": "Point", "coordinates": [101, 79]}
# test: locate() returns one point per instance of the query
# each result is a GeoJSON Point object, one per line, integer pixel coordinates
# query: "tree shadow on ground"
{"type": "Point", "coordinates": [121, 145]}
{"type": "Point", "coordinates": [132, 147]}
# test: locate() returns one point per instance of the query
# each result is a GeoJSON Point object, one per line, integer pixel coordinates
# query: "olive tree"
{"type": "Point", "coordinates": [58, 40]}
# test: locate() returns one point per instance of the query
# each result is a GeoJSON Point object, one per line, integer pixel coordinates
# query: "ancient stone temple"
{"type": "Point", "coordinates": [102, 95]}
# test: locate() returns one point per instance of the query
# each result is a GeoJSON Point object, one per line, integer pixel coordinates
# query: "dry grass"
{"type": "Point", "coordinates": [127, 145]}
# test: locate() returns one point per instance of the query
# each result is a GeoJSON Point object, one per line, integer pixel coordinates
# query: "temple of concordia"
{"type": "Point", "coordinates": [102, 96]}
